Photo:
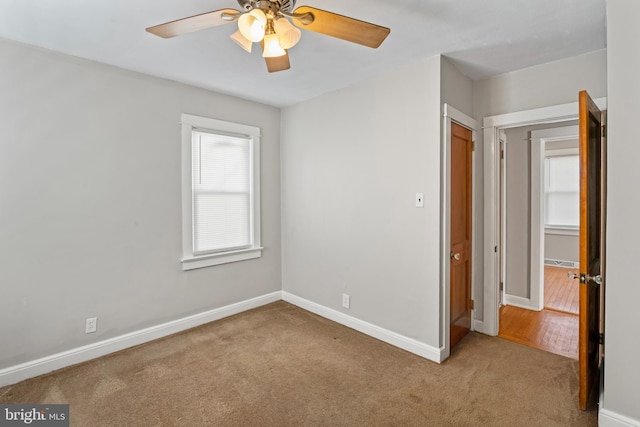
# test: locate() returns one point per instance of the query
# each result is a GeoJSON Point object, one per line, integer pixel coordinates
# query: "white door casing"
{"type": "Point", "coordinates": [491, 151]}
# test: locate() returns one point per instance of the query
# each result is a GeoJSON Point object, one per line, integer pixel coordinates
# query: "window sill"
{"type": "Point", "coordinates": [562, 231]}
{"type": "Point", "coordinates": [200, 261]}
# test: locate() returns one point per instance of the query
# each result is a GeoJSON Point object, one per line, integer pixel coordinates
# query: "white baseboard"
{"type": "Point", "coordinates": [608, 418]}
{"type": "Point", "coordinates": [23, 371]}
{"type": "Point", "coordinates": [17, 373]}
{"type": "Point", "coordinates": [390, 337]}
{"type": "Point", "coordinates": [519, 302]}
{"type": "Point", "coordinates": [478, 326]}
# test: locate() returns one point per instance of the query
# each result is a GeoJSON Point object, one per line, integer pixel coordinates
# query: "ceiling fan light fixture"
{"type": "Point", "coordinates": [288, 35]}
{"type": "Point", "coordinates": [242, 41]}
{"type": "Point", "coordinates": [251, 25]}
{"type": "Point", "coordinates": [269, 22]}
{"type": "Point", "coordinates": [272, 47]}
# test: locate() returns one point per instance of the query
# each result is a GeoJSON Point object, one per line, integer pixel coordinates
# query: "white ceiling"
{"type": "Point", "coordinates": [481, 37]}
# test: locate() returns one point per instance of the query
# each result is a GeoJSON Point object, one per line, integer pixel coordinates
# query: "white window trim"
{"type": "Point", "coordinates": [562, 231]}
{"type": "Point", "coordinates": [558, 152]}
{"type": "Point", "coordinates": [189, 260]}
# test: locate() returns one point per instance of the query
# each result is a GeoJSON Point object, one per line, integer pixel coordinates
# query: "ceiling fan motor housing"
{"type": "Point", "coordinates": [286, 5]}
{"type": "Point", "coordinates": [274, 5]}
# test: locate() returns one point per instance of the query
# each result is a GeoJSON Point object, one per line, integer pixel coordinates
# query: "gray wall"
{"type": "Point", "coordinates": [622, 378]}
{"type": "Point", "coordinates": [549, 84]}
{"type": "Point", "coordinates": [456, 88]}
{"type": "Point", "coordinates": [517, 212]}
{"type": "Point", "coordinates": [352, 162]}
{"type": "Point", "coordinates": [561, 247]}
{"type": "Point", "coordinates": [90, 207]}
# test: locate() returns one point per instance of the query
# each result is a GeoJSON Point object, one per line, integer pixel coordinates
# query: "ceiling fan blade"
{"type": "Point", "coordinates": [279, 63]}
{"type": "Point", "coordinates": [194, 23]}
{"type": "Point", "coordinates": [342, 27]}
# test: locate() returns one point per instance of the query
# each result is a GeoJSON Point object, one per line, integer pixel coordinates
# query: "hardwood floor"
{"type": "Point", "coordinates": [554, 329]}
{"type": "Point", "coordinates": [560, 292]}
{"type": "Point", "coordinates": [547, 330]}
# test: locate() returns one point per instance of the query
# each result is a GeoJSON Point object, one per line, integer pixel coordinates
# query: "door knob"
{"type": "Point", "coordinates": [597, 278]}
{"type": "Point", "coordinates": [455, 256]}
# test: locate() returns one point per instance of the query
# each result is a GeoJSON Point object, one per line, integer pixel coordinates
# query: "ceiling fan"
{"type": "Point", "coordinates": [269, 23]}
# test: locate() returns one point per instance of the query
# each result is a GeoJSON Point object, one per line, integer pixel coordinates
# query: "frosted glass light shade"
{"type": "Point", "coordinates": [272, 47]}
{"type": "Point", "coordinates": [288, 35]}
{"type": "Point", "coordinates": [242, 41]}
{"type": "Point", "coordinates": [252, 24]}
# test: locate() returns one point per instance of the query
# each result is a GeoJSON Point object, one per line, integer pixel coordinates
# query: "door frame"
{"type": "Point", "coordinates": [492, 246]}
{"type": "Point", "coordinates": [451, 114]}
{"type": "Point", "coordinates": [536, 144]}
{"type": "Point", "coordinates": [502, 210]}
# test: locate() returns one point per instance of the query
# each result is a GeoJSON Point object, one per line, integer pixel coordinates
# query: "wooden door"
{"type": "Point", "coordinates": [460, 233]}
{"type": "Point", "coordinates": [591, 248]}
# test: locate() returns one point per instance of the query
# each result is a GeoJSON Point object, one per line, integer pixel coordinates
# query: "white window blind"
{"type": "Point", "coordinates": [562, 192]}
{"type": "Point", "coordinates": [221, 171]}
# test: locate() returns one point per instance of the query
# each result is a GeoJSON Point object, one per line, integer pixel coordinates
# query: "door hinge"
{"type": "Point", "coordinates": [495, 249]}
{"type": "Point", "coordinates": [601, 339]}
{"type": "Point", "coordinates": [501, 286]}
{"type": "Point", "coordinates": [471, 304]}
{"type": "Point", "coordinates": [604, 131]}
{"type": "Point", "coordinates": [473, 146]}
{"type": "Point", "coordinates": [501, 154]}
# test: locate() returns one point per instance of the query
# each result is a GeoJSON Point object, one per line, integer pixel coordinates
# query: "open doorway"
{"type": "Point", "coordinates": [592, 219]}
{"type": "Point", "coordinates": [539, 234]}
{"type": "Point", "coordinates": [489, 290]}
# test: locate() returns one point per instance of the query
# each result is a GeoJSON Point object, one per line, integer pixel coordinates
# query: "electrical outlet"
{"type": "Point", "coordinates": [91, 325]}
{"type": "Point", "coordinates": [345, 300]}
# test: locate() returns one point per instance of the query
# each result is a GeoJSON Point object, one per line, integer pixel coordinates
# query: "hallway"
{"type": "Point", "coordinates": [555, 328]}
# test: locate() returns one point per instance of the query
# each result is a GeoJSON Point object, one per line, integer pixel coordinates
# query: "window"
{"type": "Point", "coordinates": [562, 190]}
{"type": "Point", "coordinates": [220, 192]}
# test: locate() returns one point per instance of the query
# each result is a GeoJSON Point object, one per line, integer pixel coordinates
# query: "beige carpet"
{"type": "Point", "coordinates": [279, 365]}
